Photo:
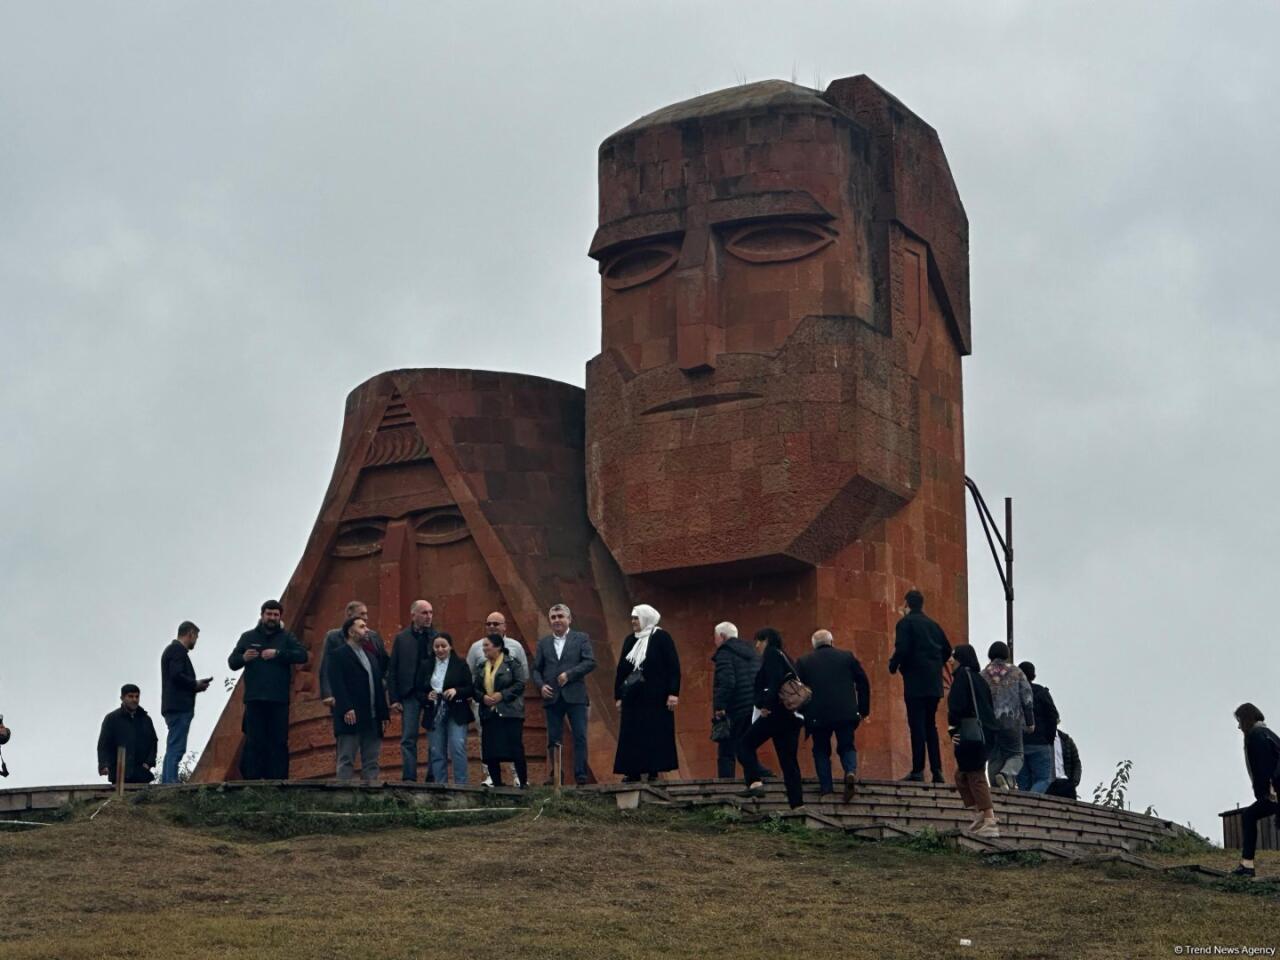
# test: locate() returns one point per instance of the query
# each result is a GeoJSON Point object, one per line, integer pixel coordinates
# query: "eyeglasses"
{"type": "Point", "coordinates": [495, 623]}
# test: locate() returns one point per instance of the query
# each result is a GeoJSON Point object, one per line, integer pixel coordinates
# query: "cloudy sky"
{"type": "Point", "coordinates": [216, 219]}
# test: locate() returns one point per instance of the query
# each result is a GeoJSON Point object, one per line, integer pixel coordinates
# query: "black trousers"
{"type": "Point", "coordinates": [727, 750]}
{"type": "Point", "coordinates": [782, 727]}
{"type": "Point", "coordinates": [922, 721]}
{"type": "Point", "coordinates": [1249, 817]}
{"type": "Point", "coordinates": [520, 763]}
{"type": "Point", "coordinates": [266, 741]}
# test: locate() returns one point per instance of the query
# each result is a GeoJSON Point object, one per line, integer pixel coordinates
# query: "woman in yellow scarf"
{"type": "Point", "coordinates": [500, 681]}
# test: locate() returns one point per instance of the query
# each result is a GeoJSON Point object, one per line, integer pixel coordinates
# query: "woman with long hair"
{"type": "Point", "coordinates": [972, 722]}
{"type": "Point", "coordinates": [447, 713]}
{"type": "Point", "coordinates": [1262, 759]}
{"type": "Point", "coordinates": [774, 722]}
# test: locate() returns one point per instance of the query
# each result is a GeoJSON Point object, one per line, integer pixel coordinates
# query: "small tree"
{"type": "Point", "coordinates": [1113, 795]}
{"type": "Point", "coordinates": [187, 766]}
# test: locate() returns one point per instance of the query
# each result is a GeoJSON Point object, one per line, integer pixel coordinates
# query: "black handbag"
{"type": "Point", "coordinates": [971, 730]}
{"type": "Point", "coordinates": [720, 729]}
{"type": "Point", "coordinates": [633, 680]}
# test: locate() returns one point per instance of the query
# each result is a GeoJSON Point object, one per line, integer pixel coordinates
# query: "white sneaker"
{"type": "Point", "coordinates": [487, 781]}
{"type": "Point", "coordinates": [988, 830]}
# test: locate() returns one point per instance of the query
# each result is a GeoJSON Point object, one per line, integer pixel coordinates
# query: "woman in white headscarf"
{"type": "Point", "coordinates": [646, 689]}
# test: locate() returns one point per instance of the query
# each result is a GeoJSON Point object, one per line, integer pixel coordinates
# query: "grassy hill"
{"type": "Point", "coordinates": [205, 876]}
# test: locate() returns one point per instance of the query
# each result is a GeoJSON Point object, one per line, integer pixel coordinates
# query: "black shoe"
{"type": "Point", "coordinates": [1243, 871]}
{"type": "Point", "coordinates": [580, 781]}
{"type": "Point", "coordinates": [938, 777]}
{"type": "Point", "coordinates": [915, 776]}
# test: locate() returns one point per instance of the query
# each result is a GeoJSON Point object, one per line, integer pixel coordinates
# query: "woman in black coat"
{"type": "Point", "coordinates": [359, 702]}
{"type": "Point", "coordinates": [1262, 758]}
{"type": "Point", "coordinates": [969, 699]}
{"type": "Point", "coordinates": [775, 721]}
{"type": "Point", "coordinates": [646, 690]}
{"type": "Point", "coordinates": [499, 686]}
{"type": "Point", "coordinates": [446, 687]}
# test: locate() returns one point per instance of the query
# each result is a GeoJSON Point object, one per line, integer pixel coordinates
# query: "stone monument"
{"type": "Point", "coordinates": [772, 432]}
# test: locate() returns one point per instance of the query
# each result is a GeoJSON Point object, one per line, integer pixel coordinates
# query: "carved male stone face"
{"type": "Point", "coordinates": [747, 409]}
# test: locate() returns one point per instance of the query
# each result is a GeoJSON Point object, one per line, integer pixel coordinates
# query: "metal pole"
{"type": "Point", "coordinates": [1008, 567]}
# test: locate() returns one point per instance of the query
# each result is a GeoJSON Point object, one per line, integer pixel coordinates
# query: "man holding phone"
{"type": "Point", "coordinates": [178, 689]}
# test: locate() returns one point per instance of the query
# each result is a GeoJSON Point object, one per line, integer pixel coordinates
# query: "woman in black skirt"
{"type": "Point", "coordinates": [646, 690]}
{"type": "Point", "coordinates": [499, 684]}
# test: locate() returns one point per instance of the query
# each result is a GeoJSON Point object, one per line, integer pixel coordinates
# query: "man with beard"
{"type": "Point", "coordinates": [178, 689]}
{"type": "Point", "coordinates": [267, 654]}
{"type": "Point", "coordinates": [333, 641]}
{"type": "Point", "coordinates": [411, 646]}
{"type": "Point", "coordinates": [129, 727]}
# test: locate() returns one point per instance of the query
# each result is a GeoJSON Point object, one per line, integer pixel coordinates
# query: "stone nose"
{"type": "Point", "coordinates": [699, 335]}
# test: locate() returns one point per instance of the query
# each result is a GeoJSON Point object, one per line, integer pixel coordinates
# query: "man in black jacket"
{"type": "Point", "coordinates": [411, 646]}
{"type": "Point", "coordinates": [178, 689]}
{"type": "Point", "coordinates": [841, 700]}
{"type": "Point", "coordinates": [733, 692]}
{"type": "Point", "coordinates": [129, 727]}
{"type": "Point", "coordinates": [920, 651]}
{"type": "Point", "coordinates": [267, 654]}
{"type": "Point", "coordinates": [334, 640]}
{"type": "Point", "coordinates": [1037, 745]}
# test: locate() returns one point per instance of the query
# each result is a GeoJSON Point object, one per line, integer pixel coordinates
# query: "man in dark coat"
{"type": "Point", "coordinates": [359, 703]}
{"type": "Point", "coordinates": [333, 640]}
{"type": "Point", "coordinates": [178, 689]}
{"type": "Point", "coordinates": [920, 651]}
{"type": "Point", "coordinates": [411, 646]}
{"type": "Point", "coordinates": [841, 700]}
{"type": "Point", "coordinates": [733, 692]}
{"type": "Point", "coordinates": [560, 664]}
{"type": "Point", "coordinates": [267, 654]}
{"type": "Point", "coordinates": [1037, 744]}
{"type": "Point", "coordinates": [129, 727]}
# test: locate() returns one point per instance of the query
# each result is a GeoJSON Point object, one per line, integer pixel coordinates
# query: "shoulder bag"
{"type": "Point", "coordinates": [971, 727]}
{"type": "Point", "coordinates": [792, 693]}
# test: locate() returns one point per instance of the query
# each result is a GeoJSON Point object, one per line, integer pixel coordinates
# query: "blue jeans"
{"type": "Point", "coordinates": [447, 734]}
{"type": "Point", "coordinates": [821, 736]}
{"type": "Point", "coordinates": [577, 714]}
{"type": "Point", "coordinates": [175, 747]}
{"type": "Point", "coordinates": [411, 719]}
{"type": "Point", "coordinates": [1037, 767]}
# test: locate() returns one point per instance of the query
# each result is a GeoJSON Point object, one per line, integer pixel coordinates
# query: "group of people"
{"type": "Point", "coordinates": [1004, 726]}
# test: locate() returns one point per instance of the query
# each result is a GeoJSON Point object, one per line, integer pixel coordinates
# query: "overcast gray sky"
{"type": "Point", "coordinates": [216, 219]}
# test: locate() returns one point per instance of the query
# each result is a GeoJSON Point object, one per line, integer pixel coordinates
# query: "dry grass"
{"type": "Point", "coordinates": [577, 882]}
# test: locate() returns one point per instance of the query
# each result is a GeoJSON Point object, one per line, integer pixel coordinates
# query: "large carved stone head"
{"type": "Point", "coordinates": [766, 256]}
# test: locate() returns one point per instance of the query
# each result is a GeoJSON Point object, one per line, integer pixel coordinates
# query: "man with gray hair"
{"type": "Point", "coordinates": [411, 646]}
{"type": "Point", "coordinates": [841, 700]}
{"type": "Point", "coordinates": [560, 662]}
{"type": "Point", "coordinates": [733, 692]}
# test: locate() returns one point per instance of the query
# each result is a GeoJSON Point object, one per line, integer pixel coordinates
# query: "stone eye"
{"type": "Point", "coordinates": [777, 242]}
{"type": "Point", "coordinates": [639, 265]}
{"type": "Point", "coordinates": [359, 539]}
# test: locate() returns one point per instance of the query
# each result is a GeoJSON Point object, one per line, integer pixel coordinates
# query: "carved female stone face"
{"type": "Point", "coordinates": [746, 406]}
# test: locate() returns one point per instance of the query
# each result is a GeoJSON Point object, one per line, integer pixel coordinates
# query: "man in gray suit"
{"type": "Point", "coordinates": [560, 663]}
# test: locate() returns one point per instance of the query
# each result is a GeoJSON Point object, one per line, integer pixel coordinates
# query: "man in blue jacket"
{"type": "Point", "coordinates": [267, 654]}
